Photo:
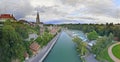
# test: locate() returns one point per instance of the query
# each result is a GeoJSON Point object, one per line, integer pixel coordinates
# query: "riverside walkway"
{"type": "Point", "coordinates": [115, 59]}
{"type": "Point", "coordinates": [44, 51]}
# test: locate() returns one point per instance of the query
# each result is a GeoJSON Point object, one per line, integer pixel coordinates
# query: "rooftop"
{"type": "Point", "coordinates": [34, 46]}
{"type": "Point", "coordinates": [6, 16]}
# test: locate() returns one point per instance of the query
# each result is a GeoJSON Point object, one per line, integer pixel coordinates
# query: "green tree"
{"type": "Point", "coordinates": [37, 29]}
{"type": "Point", "coordinates": [110, 37]}
{"type": "Point", "coordinates": [46, 30]}
{"type": "Point", "coordinates": [39, 39]}
{"type": "Point", "coordinates": [21, 29]}
{"type": "Point", "coordinates": [8, 22]}
{"type": "Point", "coordinates": [81, 46]}
{"type": "Point", "coordinates": [11, 46]}
{"type": "Point", "coordinates": [92, 35]}
{"type": "Point", "coordinates": [44, 39]}
{"type": "Point", "coordinates": [27, 47]}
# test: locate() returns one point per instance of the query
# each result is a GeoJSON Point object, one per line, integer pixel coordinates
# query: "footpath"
{"type": "Point", "coordinates": [115, 59]}
{"type": "Point", "coordinates": [44, 51]}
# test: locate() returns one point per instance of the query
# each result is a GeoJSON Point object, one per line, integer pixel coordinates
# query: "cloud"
{"type": "Point", "coordinates": [63, 11]}
{"type": "Point", "coordinates": [92, 7]}
{"type": "Point", "coordinates": [99, 11]}
{"type": "Point", "coordinates": [36, 3]}
{"type": "Point", "coordinates": [19, 8]}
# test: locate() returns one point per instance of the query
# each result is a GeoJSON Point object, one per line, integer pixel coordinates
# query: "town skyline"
{"type": "Point", "coordinates": [60, 31]}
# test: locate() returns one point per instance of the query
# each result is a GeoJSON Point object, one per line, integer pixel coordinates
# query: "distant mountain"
{"type": "Point", "coordinates": [64, 22]}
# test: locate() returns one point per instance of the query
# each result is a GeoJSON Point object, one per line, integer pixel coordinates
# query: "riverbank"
{"type": "Point", "coordinates": [44, 51]}
{"type": "Point", "coordinates": [90, 56]}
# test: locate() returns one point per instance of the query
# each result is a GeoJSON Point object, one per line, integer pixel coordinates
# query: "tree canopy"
{"type": "Point", "coordinates": [11, 45]}
{"type": "Point", "coordinates": [81, 46]}
{"type": "Point", "coordinates": [92, 35]}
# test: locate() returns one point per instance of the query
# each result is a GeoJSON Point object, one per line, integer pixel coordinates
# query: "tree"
{"type": "Point", "coordinates": [8, 22]}
{"type": "Point", "coordinates": [110, 37]}
{"type": "Point", "coordinates": [46, 30]}
{"type": "Point", "coordinates": [21, 29]}
{"type": "Point", "coordinates": [44, 39]}
{"type": "Point", "coordinates": [101, 44]}
{"type": "Point", "coordinates": [77, 40]}
{"type": "Point", "coordinates": [81, 46]}
{"type": "Point", "coordinates": [37, 29]}
{"type": "Point", "coordinates": [26, 46]}
{"type": "Point", "coordinates": [39, 39]}
{"type": "Point", "coordinates": [92, 35]}
{"type": "Point", "coordinates": [11, 46]}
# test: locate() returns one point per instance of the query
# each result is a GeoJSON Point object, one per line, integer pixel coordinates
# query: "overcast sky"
{"type": "Point", "coordinates": [64, 11]}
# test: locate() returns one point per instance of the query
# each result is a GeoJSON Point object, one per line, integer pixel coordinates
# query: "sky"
{"type": "Point", "coordinates": [64, 11]}
{"type": "Point", "coordinates": [117, 2]}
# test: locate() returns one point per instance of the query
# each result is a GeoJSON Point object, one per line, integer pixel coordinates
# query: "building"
{"type": "Point", "coordinates": [53, 29]}
{"type": "Point", "coordinates": [23, 21]}
{"type": "Point", "coordinates": [40, 24]}
{"type": "Point", "coordinates": [34, 47]}
{"type": "Point", "coordinates": [4, 17]}
{"type": "Point", "coordinates": [37, 19]}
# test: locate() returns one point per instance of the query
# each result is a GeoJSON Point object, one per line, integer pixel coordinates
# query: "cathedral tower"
{"type": "Point", "coordinates": [40, 24]}
{"type": "Point", "coordinates": [37, 18]}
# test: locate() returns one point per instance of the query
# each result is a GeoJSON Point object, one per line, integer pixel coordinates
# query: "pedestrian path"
{"type": "Point", "coordinates": [43, 52]}
{"type": "Point", "coordinates": [115, 59]}
{"type": "Point", "coordinates": [90, 58]}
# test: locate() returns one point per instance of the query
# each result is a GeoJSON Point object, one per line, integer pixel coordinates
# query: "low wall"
{"type": "Point", "coordinates": [54, 40]}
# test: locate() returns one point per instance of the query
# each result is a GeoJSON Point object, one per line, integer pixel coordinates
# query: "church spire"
{"type": "Point", "coordinates": [37, 18]}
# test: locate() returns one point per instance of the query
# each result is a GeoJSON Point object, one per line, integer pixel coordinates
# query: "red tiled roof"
{"type": "Point", "coordinates": [34, 46]}
{"type": "Point", "coordinates": [6, 16]}
{"type": "Point", "coordinates": [53, 30]}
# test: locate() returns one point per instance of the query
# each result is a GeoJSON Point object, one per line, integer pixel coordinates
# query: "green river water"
{"type": "Point", "coordinates": [63, 51]}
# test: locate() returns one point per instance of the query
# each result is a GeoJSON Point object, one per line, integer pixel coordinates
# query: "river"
{"type": "Point", "coordinates": [63, 51]}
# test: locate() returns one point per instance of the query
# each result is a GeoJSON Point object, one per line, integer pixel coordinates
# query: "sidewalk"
{"type": "Point", "coordinates": [111, 54]}
{"type": "Point", "coordinates": [44, 51]}
{"type": "Point", "coordinates": [90, 58]}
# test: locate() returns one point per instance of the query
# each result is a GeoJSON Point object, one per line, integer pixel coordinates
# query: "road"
{"type": "Point", "coordinates": [42, 53]}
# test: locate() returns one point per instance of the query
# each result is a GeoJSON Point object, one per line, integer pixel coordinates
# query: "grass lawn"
{"type": "Point", "coordinates": [116, 51]}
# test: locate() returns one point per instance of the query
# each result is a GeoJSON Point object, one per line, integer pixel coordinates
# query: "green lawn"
{"type": "Point", "coordinates": [116, 51]}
